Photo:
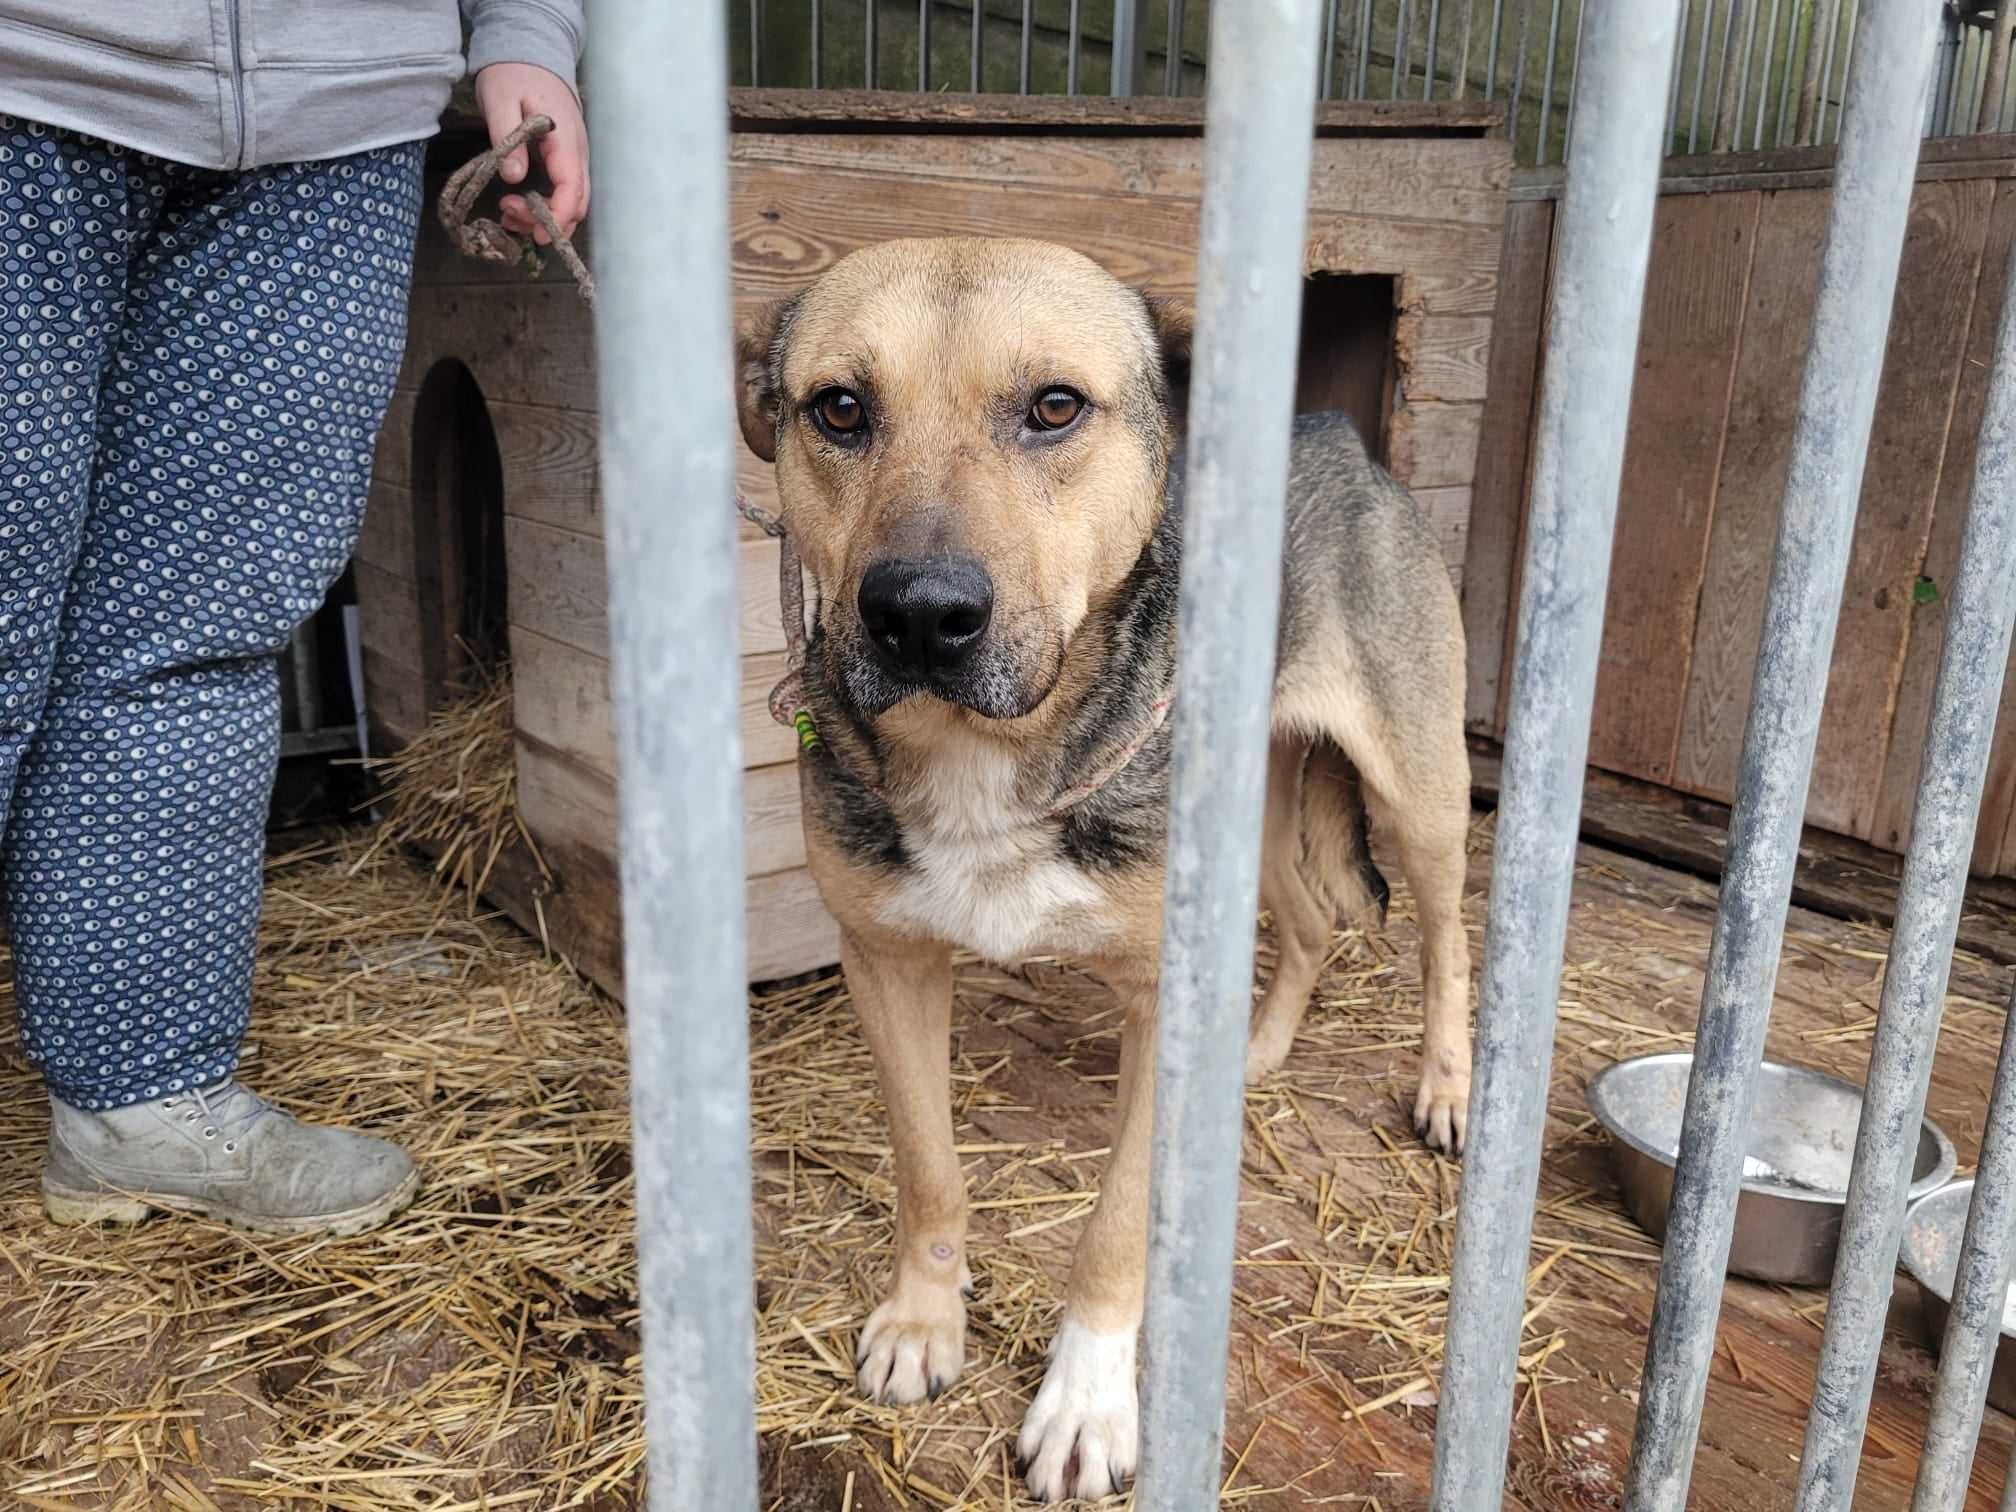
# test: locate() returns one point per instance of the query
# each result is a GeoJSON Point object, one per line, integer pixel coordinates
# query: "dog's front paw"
{"type": "Point", "coordinates": [1442, 1106]}
{"type": "Point", "coordinates": [1083, 1431]}
{"type": "Point", "coordinates": [914, 1345]}
{"type": "Point", "coordinates": [1265, 1054]}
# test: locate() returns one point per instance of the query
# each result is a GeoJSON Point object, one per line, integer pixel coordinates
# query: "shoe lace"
{"type": "Point", "coordinates": [232, 1108]}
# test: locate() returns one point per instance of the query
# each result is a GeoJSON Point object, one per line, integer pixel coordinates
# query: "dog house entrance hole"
{"type": "Point", "coordinates": [1346, 359]}
{"type": "Point", "coordinates": [458, 525]}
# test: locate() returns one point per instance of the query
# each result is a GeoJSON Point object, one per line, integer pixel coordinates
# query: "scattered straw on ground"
{"type": "Point", "coordinates": [454, 790]}
{"type": "Point", "coordinates": [481, 1352]}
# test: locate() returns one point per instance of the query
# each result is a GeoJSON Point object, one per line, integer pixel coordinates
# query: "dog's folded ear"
{"type": "Point", "coordinates": [1173, 321]}
{"type": "Point", "coordinates": [759, 361]}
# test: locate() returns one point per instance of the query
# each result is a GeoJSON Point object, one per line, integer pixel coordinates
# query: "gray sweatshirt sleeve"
{"type": "Point", "coordinates": [543, 32]}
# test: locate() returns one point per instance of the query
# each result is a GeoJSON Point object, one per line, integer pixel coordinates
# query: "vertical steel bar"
{"type": "Point", "coordinates": [1988, 1251]}
{"type": "Point", "coordinates": [1827, 74]}
{"type": "Point", "coordinates": [1943, 73]}
{"type": "Point", "coordinates": [1491, 58]}
{"type": "Point", "coordinates": [1700, 72]}
{"type": "Point", "coordinates": [1519, 72]}
{"type": "Point", "coordinates": [1071, 46]}
{"type": "Point", "coordinates": [872, 11]}
{"type": "Point", "coordinates": [1679, 69]}
{"type": "Point", "coordinates": [1403, 40]}
{"type": "Point", "coordinates": [1970, 97]}
{"type": "Point", "coordinates": [1574, 74]}
{"type": "Point", "coordinates": [755, 44]}
{"type": "Point", "coordinates": [1328, 70]}
{"type": "Point", "coordinates": [1965, 698]}
{"type": "Point", "coordinates": [1732, 135]}
{"type": "Point", "coordinates": [1249, 299]}
{"type": "Point", "coordinates": [924, 46]}
{"type": "Point", "coordinates": [1428, 58]}
{"type": "Point", "coordinates": [1022, 64]}
{"type": "Point", "coordinates": [1604, 243]}
{"type": "Point", "coordinates": [1547, 85]}
{"type": "Point", "coordinates": [1837, 399]}
{"type": "Point", "coordinates": [1463, 52]}
{"type": "Point", "coordinates": [1847, 62]}
{"type": "Point", "coordinates": [1819, 39]}
{"type": "Point", "coordinates": [1980, 83]}
{"type": "Point", "coordinates": [1784, 122]}
{"type": "Point", "coordinates": [1172, 63]}
{"type": "Point", "coordinates": [1998, 119]}
{"type": "Point", "coordinates": [1130, 46]}
{"type": "Point", "coordinates": [1998, 65]}
{"type": "Point", "coordinates": [661, 133]}
{"type": "Point", "coordinates": [1764, 83]}
{"type": "Point", "coordinates": [1956, 50]}
{"type": "Point", "coordinates": [1725, 73]}
{"type": "Point", "coordinates": [1364, 49]}
{"type": "Point", "coordinates": [973, 65]}
{"type": "Point", "coordinates": [1956, 90]}
{"type": "Point", "coordinates": [353, 663]}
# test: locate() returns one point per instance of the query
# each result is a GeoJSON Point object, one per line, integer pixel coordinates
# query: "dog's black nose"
{"type": "Point", "coordinates": [927, 616]}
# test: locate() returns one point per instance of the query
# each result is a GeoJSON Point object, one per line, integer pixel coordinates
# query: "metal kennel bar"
{"type": "Point", "coordinates": [1965, 700]}
{"type": "Point", "coordinates": [1604, 242]}
{"type": "Point", "coordinates": [1873, 179]}
{"type": "Point", "coordinates": [1257, 153]}
{"type": "Point", "coordinates": [1130, 47]}
{"type": "Point", "coordinates": [664, 338]}
{"type": "Point", "coordinates": [1988, 1252]}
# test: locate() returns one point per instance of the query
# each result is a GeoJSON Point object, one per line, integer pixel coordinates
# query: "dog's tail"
{"type": "Point", "coordinates": [1336, 839]}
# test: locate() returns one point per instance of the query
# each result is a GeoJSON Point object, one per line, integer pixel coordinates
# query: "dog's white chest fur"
{"type": "Point", "coordinates": [983, 870]}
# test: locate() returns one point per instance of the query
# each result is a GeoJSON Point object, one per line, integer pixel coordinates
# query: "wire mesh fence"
{"type": "Point", "coordinates": [1748, 75]}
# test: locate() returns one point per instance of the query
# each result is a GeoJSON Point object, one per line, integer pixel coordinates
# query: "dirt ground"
{"type": "Point", "coordinates": [481, 1352]}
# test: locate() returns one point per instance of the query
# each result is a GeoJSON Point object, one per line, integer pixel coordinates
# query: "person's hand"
{"type": "Point", "coordinates": [508, 93]}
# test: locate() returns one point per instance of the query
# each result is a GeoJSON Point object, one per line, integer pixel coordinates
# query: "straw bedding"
{"type": "Point", "coordinates": [482, 1352]}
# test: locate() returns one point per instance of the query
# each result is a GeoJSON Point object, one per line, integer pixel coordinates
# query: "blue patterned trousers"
{"type": "Point", "coordinates": [193, 370]}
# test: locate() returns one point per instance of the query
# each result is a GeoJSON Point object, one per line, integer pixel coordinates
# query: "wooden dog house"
{"type": "Point", "coordinates": [484, 532]}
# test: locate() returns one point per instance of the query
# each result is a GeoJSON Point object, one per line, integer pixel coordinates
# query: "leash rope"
{"type": "Point", "coordinates": [490, 241]}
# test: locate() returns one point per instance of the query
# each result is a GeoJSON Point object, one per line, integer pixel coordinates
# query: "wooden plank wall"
{"type": "Point", "coordinates": [1423, 212]}
{"type": "Point", "coordinates": [1735, 263]}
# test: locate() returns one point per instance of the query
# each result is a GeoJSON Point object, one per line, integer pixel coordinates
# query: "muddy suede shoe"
{"type": "Point", "coordinates": [226, 1154]}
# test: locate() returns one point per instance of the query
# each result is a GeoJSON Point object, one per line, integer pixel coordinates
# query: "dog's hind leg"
{"type": "Point", "coordinates": [1316, 869]}
{"type": "Point", "coordinates": [1417, 775]}
{"type": "Point", "coordinates": [1431, 831]}
{"type": "Point", "coordinates": [1416, 772]}
{"type": "Point", "coordinates": [914, 1344]}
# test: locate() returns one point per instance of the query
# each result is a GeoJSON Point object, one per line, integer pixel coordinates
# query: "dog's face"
{"type": "Point", "coordinates": [971, 440]}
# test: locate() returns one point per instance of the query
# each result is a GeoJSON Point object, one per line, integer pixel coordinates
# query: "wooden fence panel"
{"type": "Point", "coordinates": [1728, 309]}
{"type": "Point", "coordinates": [1693, 323]}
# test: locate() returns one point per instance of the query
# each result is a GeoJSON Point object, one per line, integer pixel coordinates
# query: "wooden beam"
{"type": "Point", "coordinates": [1835, 876]}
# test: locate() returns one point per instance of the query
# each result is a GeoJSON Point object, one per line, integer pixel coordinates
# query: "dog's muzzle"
{"type": "Point", "coordinates": [926, 618]}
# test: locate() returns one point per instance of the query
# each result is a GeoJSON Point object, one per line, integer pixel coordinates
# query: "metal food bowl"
{"type": "Point", "coordinates": [1931, 1256]}
{"type": "Point", "coordinates": [1795, 1174]}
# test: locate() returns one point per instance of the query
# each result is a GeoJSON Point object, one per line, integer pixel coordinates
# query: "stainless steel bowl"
{"type": "Point", "coordinates": [1795, 1183]}
{"type": "Point", "coordinates": [1931, 1256]}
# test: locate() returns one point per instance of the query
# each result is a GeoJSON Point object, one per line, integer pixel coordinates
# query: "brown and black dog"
{"type": "Point", "coordinates": [975, 445]}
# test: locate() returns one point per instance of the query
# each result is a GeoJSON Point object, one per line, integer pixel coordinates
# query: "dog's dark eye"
{"type": "Point", "coordinates": [1054, 409]}
{"type": "Point", "coordinates": [839, 413]}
